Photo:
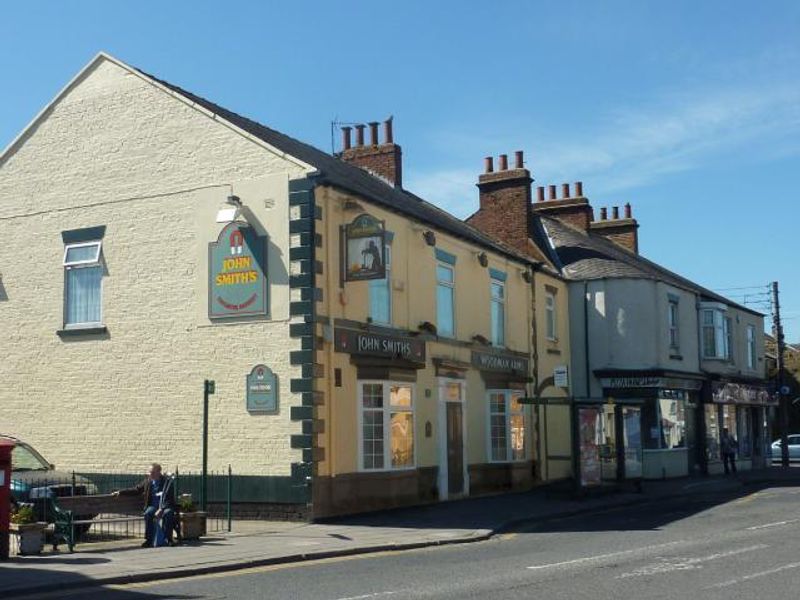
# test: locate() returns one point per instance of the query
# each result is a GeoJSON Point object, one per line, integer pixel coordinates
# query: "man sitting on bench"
{"type": "Point", "coordinates": [159, 503]}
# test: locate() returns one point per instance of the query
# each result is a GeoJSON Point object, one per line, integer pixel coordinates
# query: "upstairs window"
{"type": "Point", "coordinates": [380, 294]}
{"type": "Point", "coordinates": [551, 324]}
{"type": "Point", "coordinates": [673, 317]}
{"type": "Point", "coordinates": [445, 299]}
{"type": "Point", "coordinates": [498, 310]}
{"type": "Point", "coordinates": [751, 347]}
{"type": "Point", "coordinates": [728, 329]}
{"type": "Point", "coordinates": [716, 332]}
{"type": "Point", "coordinates": [83, 279]}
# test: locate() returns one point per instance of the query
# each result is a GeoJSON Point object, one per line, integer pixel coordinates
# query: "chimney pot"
{"type": "Point", "coordinates": [565, 190]}
{"type": "Point", "coordinates": [387, 131]}
{"type": "Point", "coordinates": [373, 133]}
{"type": "Point", "coordinates": [360, 135]}
{"type": "Point", "coordinates": [579, 189]}
{"type": "Point", "coordinates": [518, 162]}
{"type": "Point", "coordinates": [503, 162]}
{"type": "Point", "coordinates": [628, 211]}
{"type": "Point", "coordinates": [552, 190]}
{"type": "Point", "coordinates": [540, 193]}
{"type": "Point", "coordinates": [615, 212]}
{"type": "Point", "coordinates": [488, 164]}
{"type": "Point", "coordinates": [603, 213]}
{"type": "Point", "coordinates": [346, 137]}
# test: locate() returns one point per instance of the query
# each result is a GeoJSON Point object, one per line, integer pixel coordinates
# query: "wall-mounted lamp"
{"type": "Point", "coordinates": [483, 260]}
{"type": "Point", "coordinates": [429, 237]}
{"type": "Point", "coordinates": [527, 275]}
{"type": "Point", "coordinates": [230, 211]}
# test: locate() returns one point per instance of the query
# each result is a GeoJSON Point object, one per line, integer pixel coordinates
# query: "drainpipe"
{"type": "Point", "coordinates": [540, 429]}
{"type": "Point", "coordinates": [586, 336]}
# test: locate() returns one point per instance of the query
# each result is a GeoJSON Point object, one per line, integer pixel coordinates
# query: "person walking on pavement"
{"type": "Point", "coordinates": [728, 445]}
{"type": "Point", "coordinates": [159, 503]}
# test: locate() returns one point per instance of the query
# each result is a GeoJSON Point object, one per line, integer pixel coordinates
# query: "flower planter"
{"type": "Point", "coordinates": [30, 536]}
{"type": "Point", "coordinates": [193, 525]}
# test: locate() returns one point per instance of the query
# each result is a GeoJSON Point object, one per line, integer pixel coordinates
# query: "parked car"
{"type": "Point", "coordinates": [34, 479]}
{"type": "Point", "coordinates": [794, 448]}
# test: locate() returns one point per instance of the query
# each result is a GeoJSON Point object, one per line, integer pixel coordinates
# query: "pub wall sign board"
{"type": "Point", "coordinates": [262, 390]}
{"type": "Point", "coordinates": [364, 249]}
{"type": "Point", "coordinates": [237, 273]}
{"type": "Point", "coordinates": [365, 343]}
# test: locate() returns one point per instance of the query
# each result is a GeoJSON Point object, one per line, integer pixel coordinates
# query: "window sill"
{"type": "Point", "coordinates": [554, 351]}
{"type": "Point", "coordinates": [87, 330]}
{"type": "Point", "coordinates": [675, 357]}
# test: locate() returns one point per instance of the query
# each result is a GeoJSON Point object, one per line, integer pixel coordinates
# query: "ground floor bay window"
{"type": "Point", "coordinates": [506, 426]}
{"type": "Point", "coordinates": [386, 425]}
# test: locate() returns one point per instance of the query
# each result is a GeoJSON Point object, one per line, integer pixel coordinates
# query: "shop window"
{"type": "Point", "coordinates": [83, 279]}
{"type": "Point", "coordinates": [506, 426]}
{"type": "Point", "coordinates": [744, 430]}
{"type": "Point", "coordinates": [380, 294]}
{"type": "Point", "coordinates": [729, 421]}
{"type": "Point", "coordinates": [751, 347]}
{"type": "Point", "coordinates": [498, 292]}
{"type": "Point", "coordinates": [674, 317]}
{"type": "Point", "coordinates": [713, 432]}
{"type": "Point", "coordinates": [445, 300]}
{"type": "Point", "coordinates": [664, 421]}
{"type": "Point", "coordinates": [387, 426]}
{"type": "Point", "coordinates": [551, 323]}
{"type": "Point", "coordinates": [716, 338]}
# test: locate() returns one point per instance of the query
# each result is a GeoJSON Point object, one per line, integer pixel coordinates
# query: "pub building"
{"type": "Point", "coordinates": [367, 349]}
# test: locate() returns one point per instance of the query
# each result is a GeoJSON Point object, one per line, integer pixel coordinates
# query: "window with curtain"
{"type": "Point", "coordinates": [445, 300]}
{"type": "Point", "coordinates": [380, 294]}
{"type": "Point", "coordinates": [716, 338]}
{"type": "Point", "coordinates": [83, 279]}
{"type": "Point", "coordinates": [498, 292]}
{"type": "Point", "coordinates": [387, 426]}
{"type": "Point", "coordinates": [506, 426]}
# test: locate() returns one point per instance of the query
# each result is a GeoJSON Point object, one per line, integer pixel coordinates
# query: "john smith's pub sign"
{"type": "Point", "coordinates": [237, 285]}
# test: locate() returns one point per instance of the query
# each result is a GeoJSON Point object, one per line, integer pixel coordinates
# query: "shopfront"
{"type": "Point", "coordinates": [744, 410]}
{"type": "Point", "coordinates": [668, 409]}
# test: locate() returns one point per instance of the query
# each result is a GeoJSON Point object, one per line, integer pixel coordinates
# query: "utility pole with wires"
{"type": "Point", "coordinates": [783, 399]}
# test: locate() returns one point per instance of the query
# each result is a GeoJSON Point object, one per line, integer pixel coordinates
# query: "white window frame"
{"type": "Point", "coordinates": [751, 346]}
{"type": "Point", "coordinates": [387, 281]}
{"type": "Point", "coordinates": [551, 316]}
{"type": "Point", "coordinates": [452, 286]}
{"type": "Point", "coordinates": [96, 261]}
{"type": "Point", "coordinates": [387, 424]}
{"type": "Point", "coordinates": [727, 329]}
{"type": "Point", "coordinates": [507, 394]}
{"type": "Point", "coordinates": [498, 338]}
{"type": "Point", "coordinates": [673, 319]}
{"type": "Point", "coordinates": [719, 314]}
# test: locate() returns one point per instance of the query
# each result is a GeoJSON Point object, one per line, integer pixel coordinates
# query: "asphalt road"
{"type": "Point", "coordinates": [706, 548]}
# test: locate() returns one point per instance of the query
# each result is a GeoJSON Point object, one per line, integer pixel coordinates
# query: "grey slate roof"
{"type": "Point", "coordinates": [339, 173]}
{"type": "Point", "coordinates": [585, 256]}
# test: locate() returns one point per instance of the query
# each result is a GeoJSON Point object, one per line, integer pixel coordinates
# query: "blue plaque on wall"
{"type": "Point", "coordinates": [262, 390]}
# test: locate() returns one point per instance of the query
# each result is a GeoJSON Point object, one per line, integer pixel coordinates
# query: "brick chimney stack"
{"type": "Point", "coordinates": [505, 202]}
{"type": "Point", "coordinates": [384, 160]}
{"type": "Point", "coordinates": [622, 231]}
{"type": "Point", "coordinates": [572, 208]}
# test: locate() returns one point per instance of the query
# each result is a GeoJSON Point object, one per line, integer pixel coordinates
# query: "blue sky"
{"type": "Point", "coordinates": [688, 110]}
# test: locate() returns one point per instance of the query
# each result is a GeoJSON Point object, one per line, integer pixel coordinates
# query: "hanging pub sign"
{"type": "Point", "coordinates": [364, 251]}
{"type": "Point", "coordinates": [237, 273]}
{"type": "Point", "coordinates": [262, 390]}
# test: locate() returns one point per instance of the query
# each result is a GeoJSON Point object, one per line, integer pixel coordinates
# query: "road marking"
{"type": "Point", "coordinates": [374, 595]}
{"type": "Point", "coordinates": [768, 525]}
{"type": "Point", "coordinates": [754, 576]}
{"type": "Point", "coordinates": [685, 564]}
{"type": "Point", "coordinates": [603, 556]}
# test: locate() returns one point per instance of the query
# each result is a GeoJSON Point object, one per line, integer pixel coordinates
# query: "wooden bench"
{"type": "Point", "coordinates": [75, 512]}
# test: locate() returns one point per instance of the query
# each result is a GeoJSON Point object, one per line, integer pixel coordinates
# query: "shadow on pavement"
{"type": "Point", "coordinates": [554, 509]}
{"type": "Point", "coordinates": [31, 583]}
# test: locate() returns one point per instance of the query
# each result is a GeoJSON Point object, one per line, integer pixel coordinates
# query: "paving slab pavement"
{"type": "Point", "coordinates": [254, 544]}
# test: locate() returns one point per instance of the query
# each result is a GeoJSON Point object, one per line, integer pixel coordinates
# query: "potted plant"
{"type": "Point", "coordinates": [28, 530]}
{"type": "Point", "coordinates": [193, 521]}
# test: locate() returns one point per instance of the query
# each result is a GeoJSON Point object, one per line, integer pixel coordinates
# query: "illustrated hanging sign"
{"type": "Point", "coordinates": [262, 390]}
{"type": "Point", "coordinates": [364, 251]}
{"type": "Point", "coordinates": [237, 273]}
